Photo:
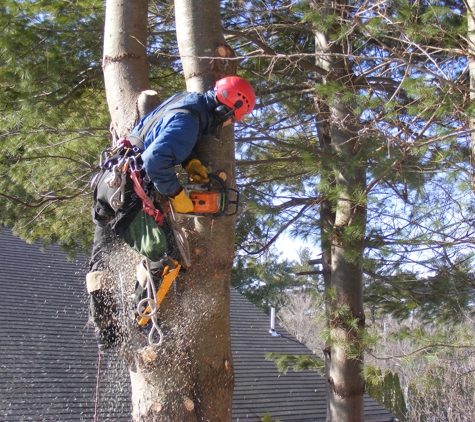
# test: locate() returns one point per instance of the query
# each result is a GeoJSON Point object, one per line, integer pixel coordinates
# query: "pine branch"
{"type": "Point", "coordinates": [46, 200]}
{"type": "Point", "coordinates": [279, 232]}
{"type": "Point", "coordinates": [243, 163]}
{"type": "Point", "coordinates": [297, 362]}
{"type": "Point", "coordinates": [40, 157]}
{"type": "Point", "coordinates": [421, 350]}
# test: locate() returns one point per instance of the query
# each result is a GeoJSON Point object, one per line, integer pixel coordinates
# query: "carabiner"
{"type": "Point", "coordinates": [117, 199]}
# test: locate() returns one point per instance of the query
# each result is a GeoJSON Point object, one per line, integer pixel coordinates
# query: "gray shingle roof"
{"type": "Point", "coordinates": [260, 389]}
{"type": "Point", "coordinates": [48, 356]}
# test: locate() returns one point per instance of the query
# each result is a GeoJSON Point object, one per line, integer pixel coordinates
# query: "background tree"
{"type": "Point", "coordinates": [53, 123]}
{"type": "Point", "coordinates": [416, 368]}
{"type": "Point", "coordinates": [404, 81]}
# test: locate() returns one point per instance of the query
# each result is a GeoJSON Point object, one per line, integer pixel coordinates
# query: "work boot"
{"type": "Point", "coordinates": [103, 312]}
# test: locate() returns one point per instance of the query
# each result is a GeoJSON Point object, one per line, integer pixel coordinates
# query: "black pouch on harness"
{"type": "Point", "coordinates": [129, 222]}
{"type": "Point", "coordinates": [102, 212]}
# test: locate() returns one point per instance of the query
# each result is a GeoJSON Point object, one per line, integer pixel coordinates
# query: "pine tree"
{"type": "Point", "coordinates": [53, 120]}
{"type": "Point", "coordinates": [404, 82]}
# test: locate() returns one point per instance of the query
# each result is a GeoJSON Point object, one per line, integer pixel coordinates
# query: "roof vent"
{"type": "Point", "coordinates": [272, 324]}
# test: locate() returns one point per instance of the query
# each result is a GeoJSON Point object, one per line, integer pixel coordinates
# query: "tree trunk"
{"type": "Point", "coordinates": [199, 34]}
{"type": "Point", "coordinates": [125, 65]}
{"type": "Point", "coordinates": [342, 277]}
{"type": "Point", "coordinates": [190, 376]}
{"type": "Point", "coordinates": [342, 253]}
{"type": "Point", "coordinates": [327, 217]}
{"type": "Point", "coordinates": [345, 380]}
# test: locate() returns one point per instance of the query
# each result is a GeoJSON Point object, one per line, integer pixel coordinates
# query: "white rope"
{"type": "Point", "coordinates": [150, 302]}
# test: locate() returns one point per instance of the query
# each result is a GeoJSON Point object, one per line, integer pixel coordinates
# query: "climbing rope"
{"type": "Point", "coordinates": [147, 309]}
{"type": "Point", "coordinates": [98, 383]}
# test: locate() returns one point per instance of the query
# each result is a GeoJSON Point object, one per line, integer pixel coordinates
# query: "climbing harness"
{"type": "Point", "coordinates": [147, 203]}
{"type": "Point", "coordinates": [147, 308]}
{"type": "Point", "coordinates": [121, 161]}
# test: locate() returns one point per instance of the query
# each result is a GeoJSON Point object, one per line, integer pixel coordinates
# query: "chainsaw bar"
{"type": "Point", "coordinates": [180, 237]}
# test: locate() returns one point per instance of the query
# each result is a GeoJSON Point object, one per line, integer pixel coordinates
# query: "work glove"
{"type": "Point", "coordinates": [197, 171]}
{"type": "Point", "coordinates": [181, 202]}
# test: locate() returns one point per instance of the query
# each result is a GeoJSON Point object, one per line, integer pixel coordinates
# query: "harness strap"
{"type": "Point", "coordinates": [147, 203]}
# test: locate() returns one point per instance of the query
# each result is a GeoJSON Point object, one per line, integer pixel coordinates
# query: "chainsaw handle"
{"type": "Point", "coordinates": [227, 201]}
{"type": "Point", "coordinates": [235, 202]}
{"type": "Point", "coordinates": [224, 188]}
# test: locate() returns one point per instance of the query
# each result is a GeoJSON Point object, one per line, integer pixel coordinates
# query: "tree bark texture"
{"type": "Point", "coordinates": [199, 34]}
{"type": "Point", "coordinates": [345, 380]}
{"type": "Point", "coordinates": [200, 38]}
{"type": "Point", "coordinates": [343, 279]}
{"type": "Point", "coordinates": [327, 215]}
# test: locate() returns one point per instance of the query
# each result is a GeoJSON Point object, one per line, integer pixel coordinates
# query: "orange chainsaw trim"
{"type": "Point", "coordinates": [168, 279]}
{"type": "Point", "coordinates": [205, 202]}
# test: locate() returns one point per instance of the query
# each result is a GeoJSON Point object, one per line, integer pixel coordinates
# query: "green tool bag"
{"type": "Point", "coordinates": [146, 237]}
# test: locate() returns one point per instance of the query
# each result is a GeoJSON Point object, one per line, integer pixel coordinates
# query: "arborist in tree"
{"type": "Point", "coordinates": [125, 204]}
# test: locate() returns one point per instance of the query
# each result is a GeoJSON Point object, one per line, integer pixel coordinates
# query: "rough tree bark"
{"type": "Point", "coordinates": [345, 302]}
{"type": "Point", "coordinates": [190, 376]}
{"type": "Point", "coordinates": [342, 255]}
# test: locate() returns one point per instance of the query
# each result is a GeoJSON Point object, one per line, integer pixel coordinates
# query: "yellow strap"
{"type": "Point", "coordinates": [168, 278]}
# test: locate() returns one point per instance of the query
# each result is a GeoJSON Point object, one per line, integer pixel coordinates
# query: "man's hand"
{"type": "Point", "coordinates": [181, 202]}
{"type": "Point", "coordinates": [197, 171]}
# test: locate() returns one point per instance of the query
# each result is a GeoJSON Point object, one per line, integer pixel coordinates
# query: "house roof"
{"type": "Point", "coordinates": [49, 359]}
{"type": "Point", "coordinates": [260, 388]}
{"type": "Point", "coordinates": [48, 354]}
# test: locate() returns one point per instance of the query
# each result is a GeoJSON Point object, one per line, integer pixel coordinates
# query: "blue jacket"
{"type": "Point", "coordinates": [172, 139]}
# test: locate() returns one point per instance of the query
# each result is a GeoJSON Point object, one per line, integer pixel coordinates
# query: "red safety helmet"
{"type": "Point", "coordinates": [236, 93]}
